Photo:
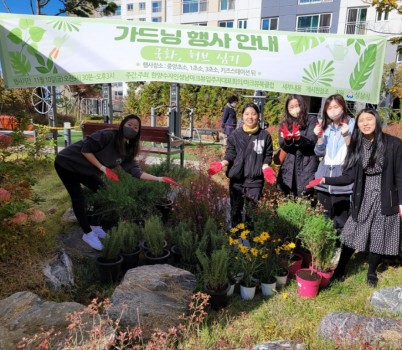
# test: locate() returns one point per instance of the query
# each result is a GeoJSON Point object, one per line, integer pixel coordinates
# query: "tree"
{"type": "Point", "coordinates": [80, 8]}
{"type": "Point", "coordinates": [388, 6]}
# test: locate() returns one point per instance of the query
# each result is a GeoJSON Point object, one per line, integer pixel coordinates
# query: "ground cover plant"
{"type": "Point", "coordinates": [240, 325]}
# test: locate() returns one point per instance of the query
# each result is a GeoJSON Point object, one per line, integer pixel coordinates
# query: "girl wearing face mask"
{"type": "Point", "coordinates": [297, 139]}
{"type": "Point", "coordinates": [333, 138]}
{"type": "Point", "coordinates": [83, 163]}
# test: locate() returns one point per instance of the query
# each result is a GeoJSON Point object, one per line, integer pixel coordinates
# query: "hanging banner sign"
{"type": "Point", "coordinates": [45, 50]}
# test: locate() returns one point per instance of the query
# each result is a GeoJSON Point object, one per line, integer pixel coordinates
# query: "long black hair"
{"type": "Point", "coordinates": [301, 120]}
{"type": "Point", "coordinates": [131, 148]}
{"type": "Point", "coordinates": [356, 142]}
{"type": "Point", "coordinates": [326, 121]}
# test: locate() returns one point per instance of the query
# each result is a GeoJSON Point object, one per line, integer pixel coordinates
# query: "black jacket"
{"type": "Point", "coordinates": [229, 121]}
{"type": "Point", "coordinates": [301, 160]}
{"type": "Point", "coordinates": [391, 179]}
{"type": "Point", "coordinates": [246, 155]}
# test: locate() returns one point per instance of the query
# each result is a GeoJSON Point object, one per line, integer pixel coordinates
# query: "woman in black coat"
{"type": "Point", "coordinates": [297, 139]}
{"type": "Point", "coordinates": [374, 164]}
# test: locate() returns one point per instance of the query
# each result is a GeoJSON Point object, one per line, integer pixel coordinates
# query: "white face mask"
{"type": "Point", "coordinates": [294, 112]}
{"type": "Point", "coordinates": [335, 114]}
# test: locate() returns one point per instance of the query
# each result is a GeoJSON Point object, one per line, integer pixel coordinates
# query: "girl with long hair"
{"type": "Point", "coordinates": [85, 161]}
{"type": "Point", "coordinates": [374, 164]}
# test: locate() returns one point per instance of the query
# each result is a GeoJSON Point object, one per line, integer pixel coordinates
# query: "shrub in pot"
{"type": "Point", "coordinates": [215, 275]}
{"type": "Point", "coordinates": [154, 235]}
{"type": "Point", "coordinates": [130, 236]}
{"type": "Point", "coordinates": [186, 242]}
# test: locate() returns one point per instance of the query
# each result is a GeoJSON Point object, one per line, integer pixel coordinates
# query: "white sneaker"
{"type": "Point", "coordinates": [92, 240]}
{"type": "Point", "coordinates": [98, 230]}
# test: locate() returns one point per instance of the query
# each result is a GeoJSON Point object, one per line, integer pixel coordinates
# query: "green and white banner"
{"type": "Point", "coordinates": [42, 50]}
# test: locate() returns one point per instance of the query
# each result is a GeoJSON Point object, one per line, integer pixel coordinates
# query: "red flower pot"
{"type": "Point", "coordinates": [308, 283]}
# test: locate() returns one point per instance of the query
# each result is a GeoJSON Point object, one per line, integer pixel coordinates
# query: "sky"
{"type": "Point", "coordinates": [23, 7]}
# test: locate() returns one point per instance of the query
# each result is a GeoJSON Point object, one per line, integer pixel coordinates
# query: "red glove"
{"type": "Point", "coordinates": [296, 131]}
{"type": "Point", "coordinates": [111, 175]}
{"type": "Point", "coordinates": [214, 168]}
{"type": "Point", "coordinates": [169, 181]}
{"type": "Point", "coordinates": [285, 132]}
{"type": "Point", "coordinates": [314, 182]}
{"type": "Point", "coordinates": [269, 175]}
{"type": "Point", "coordinates": [400, 210]}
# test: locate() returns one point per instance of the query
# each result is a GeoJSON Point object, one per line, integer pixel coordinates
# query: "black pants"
{"type": "Point", "coordinates": [72, 182]}
{"type": "Point", "coordinates": [240, 196]}
{"type": "Point", "coordinates": [336, 206]}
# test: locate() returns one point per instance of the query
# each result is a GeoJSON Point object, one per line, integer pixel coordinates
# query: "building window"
{"type": "Point", "coordinates": [242, 24]}
{"type": "Point", "coordinates": [142, 6]}
{"type": "Point", "coordinates": [156, 6]}
{"type": "Point", "coordinates": [118, 11]}
{"type": "Point", "coordinates": [303, 2]}
{"type": "Point", "coordinates": [130, 7]}
{"type": "Point", "coordinates": [356, 21]}
{"type": "Point", "coordinates": [190, 6]}
{"type": "Point", "coordinates": [382, 16]}
{"type": "Point", "coordinates": [141, 19]}
{"type": "Point", "coordinates": [200, 24]}
{"type": "Point", "coordinates": [269, 24]}
{"type": "Point", "coordinates": [226, 24]}
{"type": "Point", "coordinates": [156, 19]}
{"type": "Point", "coordinates": [320, 23]}
{"type": "Point", "coordinates": [227, 5]}
{"type": "Point", "coordinates": [399, 54]}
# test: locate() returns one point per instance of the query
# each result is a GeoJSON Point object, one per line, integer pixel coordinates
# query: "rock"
{"type": "Point", "coordinates": [278, 345]}
{"type": "Point", "coordinates": [388, 300]}
{"type": "Point", "coordinates": [59, 271]}
{"type": "Point", "coordinates": [153, 296]}
{"type": "Point", "coordinates": [24, 314]}
{"type": "Point", "coordinates": [69, 216]}
{"type": "Point", "coordinates": [346, 328]}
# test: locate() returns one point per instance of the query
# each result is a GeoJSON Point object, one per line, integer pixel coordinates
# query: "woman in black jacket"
{"type": "Point", "coordinates": [374, 164]}
{"type": "Point", "coordinates": [83, 163]}
{"type": "Point", "coordinates": [297, 139]}
{"type": "Point", "coordinates": [248, 156]}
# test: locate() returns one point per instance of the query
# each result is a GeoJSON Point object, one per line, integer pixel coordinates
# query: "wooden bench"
{"type": "Point", "coordinates": [148, 134]}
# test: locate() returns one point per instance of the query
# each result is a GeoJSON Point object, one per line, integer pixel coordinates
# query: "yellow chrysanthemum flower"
{"type": "Point", "coordinates": [234, 230]}
{"type": "Point", "coordinates": [243, 235]}
{"type": "Point", "coordinates": [264, 235]}
{"type": "Point", "coordinates": [292, 245]}
{"type": "Point", "coordinates": [243, 248]}
{"type": "Point", "coordinates": [254, 251]}
{"type": "Point", "coordinates": [241, 226]}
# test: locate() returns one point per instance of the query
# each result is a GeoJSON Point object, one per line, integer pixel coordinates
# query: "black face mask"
{"type": "Point", "coordinates": [129, 133]}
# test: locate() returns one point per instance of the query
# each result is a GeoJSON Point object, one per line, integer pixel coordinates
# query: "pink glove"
{"type": "Point", "coordinates": [314, 182]}
{"type": "Point", "coordinates": [214, 168]}
{"type": "Point", "coordinates": [296, 131]}
{"type": "Point", "coordinates": [285, 133]}
{"type": "Point", "coordinates": [269, 175]}
{"type": "Point", "coordinates": [400, 210]}
{"type": "Point", "coordinates": [169, 181]}
{"type": "Point", "coordinates": [111, 175]}
{"type": "Point", "coordinates": [318, 130]}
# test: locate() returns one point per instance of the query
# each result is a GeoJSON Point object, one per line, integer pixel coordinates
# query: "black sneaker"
{"type": "Point", "coordinates": [372, 280]}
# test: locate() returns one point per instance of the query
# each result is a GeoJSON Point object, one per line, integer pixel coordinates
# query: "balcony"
{"type": "Point", "coordinates": [355, 28]}
{"type": "Point", "coordinates": [314, 30]}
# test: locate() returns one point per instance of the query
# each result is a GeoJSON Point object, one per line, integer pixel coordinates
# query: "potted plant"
{"type": "Point", "coordinates": [319, 236]}
{"type": "Point", "coordinates": [130, 236]}
{"type": "Point", "coordinates": [215, 275]}
{"type": "Point", "coordinates": [186, 245]}
{"type": "Point", "coordinates": [110, 260]}
{"type": "Point", "coordinates": [154, 235]}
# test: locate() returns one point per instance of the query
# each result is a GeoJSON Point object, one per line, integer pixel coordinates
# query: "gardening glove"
{"type": "Point", "coordinates": [285, 133]}
{"type": "Point", "coordinates": [318, 130]}
{"type": "Point", "coordinates": [168, 180]}
{"type": "Point", "coordinates": [314, 182]}
{"type": "Point", "coordinates": [269, 175]}
{"type": "Point", "coordinates": [109, 173]}
{"type": "Point", "coordinates": [344, 129]}
{"type": "Point", "coordinates": [296, 131]}
{"type": "Point", "coordinates": [214, 168]}
{"type": "Point", "coordinates": [400, 210]}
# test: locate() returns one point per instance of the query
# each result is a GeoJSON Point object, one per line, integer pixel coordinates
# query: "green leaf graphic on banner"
{"type": "Point", "coordinates": [65, 26]}
{"type": "Point", "coordinates": [32, 49]}
{"type": "Point", "coordinates": [25, 23]}
{"type": "Point", "coordinates": [19, 63]}
{"type": "Point", "coordinates": [15, 36]}
{"type": "Point", "coordinates": [45, 67]}
{"type": "Point", "coordinates": [36, 33]}
{"type": "Point", "coordinates": [40, 59]}
{"type": "Point", "coordinates": [304, 43]}
{"type": "Point", "coordinates": [359, 43]}
{"type": "Point", "coordinates": [319, 72]}
{"type": "Point", "coordinates": [363, 68]}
